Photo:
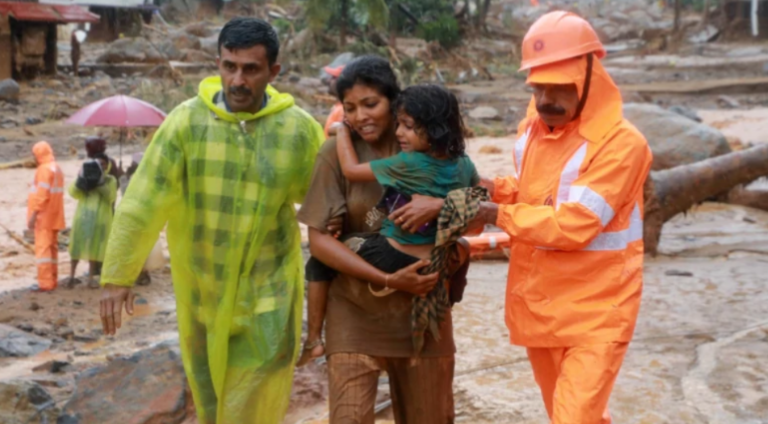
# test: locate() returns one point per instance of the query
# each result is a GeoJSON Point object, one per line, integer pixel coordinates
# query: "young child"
{"type": "Point", "coordinates": [96, 191]}
{"type": "Point", "coordinates": [432, 163]}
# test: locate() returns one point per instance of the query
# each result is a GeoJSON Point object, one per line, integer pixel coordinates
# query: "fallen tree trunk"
{"type": "Point", "coordinates": [757, 199]}
{"type": "Point", "coordinates": [672, 191]}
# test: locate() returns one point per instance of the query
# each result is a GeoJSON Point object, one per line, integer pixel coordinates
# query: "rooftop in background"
{"type": "Point", "coordinates": [104, 3]}
{"type": "Point", "coordinates": [36, 12]}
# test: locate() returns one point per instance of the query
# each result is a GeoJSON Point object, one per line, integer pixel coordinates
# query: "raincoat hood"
{"type": "Point", "coordinates": [43, 153]}
{"type": "Point", "coordinates": [602, 109]}
{"type": "Point", "coordinates": [210, 86]}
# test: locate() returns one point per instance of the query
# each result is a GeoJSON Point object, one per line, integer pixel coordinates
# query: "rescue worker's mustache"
{"type": "Point", "coordinates": [550, 109]}
{"type": "Point", "coordinates": [240, 90]}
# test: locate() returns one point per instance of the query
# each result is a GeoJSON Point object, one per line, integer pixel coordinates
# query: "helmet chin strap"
{"type": "Point", "coordinates": [587, 82]}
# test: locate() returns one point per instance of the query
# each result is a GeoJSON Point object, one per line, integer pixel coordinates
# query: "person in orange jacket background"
{"type": "Point", "coordinates": [337, 112]}
{"type": "Point", "coordinates": [45, 214]}
{"type": "Point", "coordinates": [574, 214]}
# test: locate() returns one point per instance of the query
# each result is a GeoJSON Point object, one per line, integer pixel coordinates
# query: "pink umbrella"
{"type": "Point", "coordinates": [118, 111]}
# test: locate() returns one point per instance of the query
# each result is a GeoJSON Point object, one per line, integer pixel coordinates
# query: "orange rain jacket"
{"type": "Point", "coordinates": [573, 211]}
{"type": "Point", "coordinates": [336, 115]}
{"type": "Point", "coordinates": [46, 195]}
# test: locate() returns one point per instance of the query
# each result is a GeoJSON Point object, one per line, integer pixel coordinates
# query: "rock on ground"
{"type": "Point", "coordinates": [210, 45]}
{"type": "Point", "coordinates": [130, 50]}
{"type": "Point", "coordinates": [200, 29]}
{"type": "Point", "coordinates": [485, 113]}
{"type": "Point", "coordinates": [685, 111]}
{"type": "Point", "coordinates": [25, 402]}
{"type": "Point", "coordinates": [183, 40]}
{"type": "Point", "coordinates": [675, 139]}
{"type": "Point", "coordinates": [9, 90]}
{"type": "Point", "coordinates": [17, 343]}
{"type": "Point", "coordinates": [147, 387]}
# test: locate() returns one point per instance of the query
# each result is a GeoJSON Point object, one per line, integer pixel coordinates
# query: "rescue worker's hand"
{"type": "Point", "coordinates": [419, 211]}
{"type": "Point", "coordinates": [334, 226]}
{"type": "Point", "coordinates": [488, 184]}
{"type": "Point", "coordinates": [32, 221]}
{"type": "Point", "coordinates": [487, 214]}
{"type": "Point", "coordinates": [111, 307]}
{"type": "Point", "coordinates": [409, 280]}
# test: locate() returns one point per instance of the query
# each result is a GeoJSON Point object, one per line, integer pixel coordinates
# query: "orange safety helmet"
{"type": "Point", "coordinates": [558, 36]}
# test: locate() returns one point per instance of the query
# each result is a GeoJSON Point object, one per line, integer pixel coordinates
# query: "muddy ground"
{"type": "Point", "coordinates": [698, 354]}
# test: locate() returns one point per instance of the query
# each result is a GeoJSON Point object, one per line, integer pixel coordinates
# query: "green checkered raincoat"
{"type": "Point", "coordinates": [226, 185]}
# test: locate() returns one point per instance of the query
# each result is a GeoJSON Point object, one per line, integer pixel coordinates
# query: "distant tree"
{"type": "Point", "coordinates": [320, 14]}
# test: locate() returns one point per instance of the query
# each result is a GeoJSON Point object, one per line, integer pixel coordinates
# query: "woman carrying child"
{"type": "Point", "coordinates": [368, 333]}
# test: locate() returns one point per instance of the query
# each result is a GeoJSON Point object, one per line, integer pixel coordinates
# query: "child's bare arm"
{"type": "Point", "coordinates": [351, 167]}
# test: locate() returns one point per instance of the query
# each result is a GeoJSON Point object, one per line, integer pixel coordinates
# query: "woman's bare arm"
{"type": "Point", "coordinates": [351, 167]}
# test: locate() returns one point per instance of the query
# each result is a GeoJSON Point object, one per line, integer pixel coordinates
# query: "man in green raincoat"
{"type": "Point", "coordinates": [224, 172]}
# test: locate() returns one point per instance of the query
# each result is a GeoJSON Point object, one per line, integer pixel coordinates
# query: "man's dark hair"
{"type": "Point", "coordinates": [244, 33]}
{"type": "Point", "coordinates": [372, 71]}
{"type": "Point", "coordinates": [436, 113]}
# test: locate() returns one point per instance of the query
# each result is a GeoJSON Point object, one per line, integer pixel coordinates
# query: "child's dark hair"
{"type": "Point", "coordinates": [437, 115]}
{"type": "Point", "coordinates": [372, 71]}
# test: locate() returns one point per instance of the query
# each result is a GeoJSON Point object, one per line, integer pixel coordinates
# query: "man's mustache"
{"type": "Point", "coordinates": [240, 89]}
{"type": "Point", "coordinates": [550, 109]}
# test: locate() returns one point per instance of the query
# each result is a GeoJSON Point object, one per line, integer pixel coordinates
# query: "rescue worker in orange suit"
{"type": "Point", "coordinates": [45, 214]}
{"type": "Point", "coordinates": [337, 112]}
{"type": "Point", "coordinates": [574, 214]}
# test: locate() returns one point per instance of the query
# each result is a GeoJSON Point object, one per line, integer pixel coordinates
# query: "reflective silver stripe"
{"type": "Point", "coordinates": [44, 185]}
{"type": "Point", "coordinates": [33, 189]}
{"type": "Point", "coordinates": [57, 190]}
{"type": "Point", "coordinates": [593, 201]}
{"type": "Point", "coordinates": [46, 261]}
{"type": "Point", "coordinates": [618, 240]}
{"type": "Point", "coordinates": [520, 151]}
{"type": "Point", "coordinates": [570, 173]}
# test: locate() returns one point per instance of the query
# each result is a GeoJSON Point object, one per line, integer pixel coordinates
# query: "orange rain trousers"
{"type": "Point", "coordinates": [576, 382]}
{"type": "Point", "coordinates": [47, 258]}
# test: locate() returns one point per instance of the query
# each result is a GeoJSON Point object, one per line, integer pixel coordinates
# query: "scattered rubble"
{"type": "Point", "coordinates": [17, 343]}
{"type": "Point", "coordinates": [25, 402]}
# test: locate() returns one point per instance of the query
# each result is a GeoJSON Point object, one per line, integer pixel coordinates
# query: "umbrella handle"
{"type": "Point", "coordinates": [120, 161]}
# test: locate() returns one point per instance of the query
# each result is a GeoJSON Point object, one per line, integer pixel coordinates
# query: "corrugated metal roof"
{"type": "Point", "coordinates": [102, 3]}
{"type": "Point", "coordinates": [74, 13]}
{"type": "Point", "coordinates": [36, 12]}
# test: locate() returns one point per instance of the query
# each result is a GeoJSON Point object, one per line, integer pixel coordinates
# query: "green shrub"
{"type": "Point", "coordinates": [444, 29]}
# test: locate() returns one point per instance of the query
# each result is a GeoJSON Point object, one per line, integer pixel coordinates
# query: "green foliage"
{"type": "Point", "coordinates": [444, 30]}
{"type": "Point", "coordinates": [363, 47]}
{"type": "Point", "coordinates": [324, 14]}
{"type": "Point", "coordinates": [371, 12]}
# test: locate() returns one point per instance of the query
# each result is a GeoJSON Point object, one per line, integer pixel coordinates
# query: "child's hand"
{"type": "Point", "coordinates": [334, 226]}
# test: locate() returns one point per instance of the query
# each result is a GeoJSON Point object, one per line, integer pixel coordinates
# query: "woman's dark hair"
{"type": "Point", "coordinates": [245, 32]}
{"type": "Point", "coordinates": [436, 113]}
{"type": "Point", "coordinates": [372, 71]}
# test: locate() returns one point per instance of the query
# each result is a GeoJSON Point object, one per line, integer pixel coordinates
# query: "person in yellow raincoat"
{"type": "Point", "coordinates": [92, 222]}
{"type": "Point", "coordinates": [573, 211]}
{"type": "Point", "coordinates": [224, 171]}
